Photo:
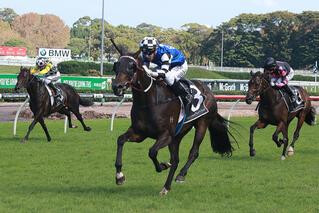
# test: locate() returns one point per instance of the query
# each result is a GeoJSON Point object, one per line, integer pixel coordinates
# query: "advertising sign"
{"type": "Point", "coordinates": [13, 51]}
{"type": "Point", "coordinates": [55, 53]}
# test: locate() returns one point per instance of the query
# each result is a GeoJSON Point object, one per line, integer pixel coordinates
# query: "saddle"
{"type": "Point", "coordinates": [295, 106]}
{"type": "Point", "coordinates": [52, 96]}
{"type": "Point", "coordinates": [198, 107]}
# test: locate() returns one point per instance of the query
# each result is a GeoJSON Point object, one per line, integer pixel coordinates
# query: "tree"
{"type": "Point", "coordinates": [42, 30]}
{"type": "Point", "coordinates": [7, 15]}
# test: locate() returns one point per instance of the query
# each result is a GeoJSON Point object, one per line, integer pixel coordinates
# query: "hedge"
{"type": "Point", "coordinates": [83, 68]}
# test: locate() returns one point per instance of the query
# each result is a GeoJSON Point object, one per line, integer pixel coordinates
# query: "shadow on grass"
{"type": "Point", "coordinates": [136, 191]}
{"type": "Point", "coordinates": [18, 139]}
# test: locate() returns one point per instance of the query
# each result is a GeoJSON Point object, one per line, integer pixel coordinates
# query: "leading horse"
{"type": "Point", "coordinates": [40, 101]}
{"type": "Point", "coordinates": [154, 114]}
{"type": "Point", "coordinates": [272, 110]}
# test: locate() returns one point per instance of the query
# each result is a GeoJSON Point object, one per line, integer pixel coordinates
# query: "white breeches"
{"type": "Point", "coordinates": [291, 74]}
{"type": "Point", "coordinates": [176, 73]}
{"type": "Point", "coordinates": [52, 78]}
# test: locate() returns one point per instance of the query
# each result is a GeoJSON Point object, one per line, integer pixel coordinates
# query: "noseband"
{"type": "Point", "coordinates": [134, 80]}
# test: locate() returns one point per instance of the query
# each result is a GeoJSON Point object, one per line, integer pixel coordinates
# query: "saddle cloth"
{"type": "Point", "coordinates": [198, 107]}
{"type": "Point", "coordinates": [299, 103]}
{"type": "Point", "coordinates": [51, 95]}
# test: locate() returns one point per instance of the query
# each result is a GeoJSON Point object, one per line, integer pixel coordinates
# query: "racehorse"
{"type": "Point", "coordinates": [155, 113]}
{"type": "Point", "coordinates": [40, 101]}
{"type": "Point", "coordinates": [272, 110]}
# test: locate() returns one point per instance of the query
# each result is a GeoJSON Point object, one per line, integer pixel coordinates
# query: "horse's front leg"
{"type": "Point", "coordinates": [34, 122]}
{"type": "Point", "coordinates": [259, 124]}
{"type": "Point", "coordinates": [284, 141]}
{"type": "Point", "coordinates": [45, 129]}
{"type": "Point", "coordinates": [162, 141]}
{"type": "Point", "coordinates": [128, 136]}
{"type": "Point", "coordinates": [279, 129]}
{"type": "Point", "coordinates": [174, 153]}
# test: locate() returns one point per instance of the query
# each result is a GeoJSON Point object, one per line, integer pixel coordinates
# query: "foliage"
{"type": "Point", "coordinates": [77, 67]}
{"type": "Point", "coordinates": [42, 30]}
{"type": "Point", "coordinates": [247, 38]}
{"type": "Point", "coordinates": [75, 173]}
{"type": "Point", "coordinates": [7, 15]}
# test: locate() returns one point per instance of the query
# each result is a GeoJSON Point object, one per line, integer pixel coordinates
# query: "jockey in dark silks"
{"type": "Point", "coordinates": [171, 66]}
{"type": "Point", "coordinates": [50, 75]}
{"type": "Point", "coordinates": [281, 73]}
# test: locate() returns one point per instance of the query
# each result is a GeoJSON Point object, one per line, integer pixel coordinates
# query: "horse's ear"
{"type": "Point", "coordinates": [136, 54]}
{"type": "Point", "coordinates": [116, 47]}
{"type": "Point", "coordinates": [251, 73]}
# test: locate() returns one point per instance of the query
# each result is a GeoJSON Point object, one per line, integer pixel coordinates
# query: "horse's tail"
{"type": "Point", "coordinates": [311, 116]}
{"type": "Point", "coordinates": [219, 136]}
{"type": "Point", "coordinates": [86, 102]}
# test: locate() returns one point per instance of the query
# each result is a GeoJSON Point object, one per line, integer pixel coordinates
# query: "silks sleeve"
{"type": "Point", "coordinates": [46, 69]}
{"type": "Point", "coordinates": [33, 70]}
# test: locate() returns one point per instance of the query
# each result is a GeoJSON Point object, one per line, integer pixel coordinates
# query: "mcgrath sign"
{"type": "Point", "coordinates": [55, 53]}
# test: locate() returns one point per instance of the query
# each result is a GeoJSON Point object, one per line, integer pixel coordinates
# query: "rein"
{"type": "Point", "coordinates": [134, 79]}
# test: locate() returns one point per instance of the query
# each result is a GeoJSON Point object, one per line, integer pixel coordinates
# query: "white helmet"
{"type": "Point", "coordinates": [41, 62]}
{"type": "Point", "coordinates": [148, 44]}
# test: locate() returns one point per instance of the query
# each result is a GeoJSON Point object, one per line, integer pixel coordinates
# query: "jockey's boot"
{"type": "Point", "coordinates": [57, 92]}
{"type": "Point", "coordinates": [181, 90]}
{"type": "Point", "coordinates": [292, 96]}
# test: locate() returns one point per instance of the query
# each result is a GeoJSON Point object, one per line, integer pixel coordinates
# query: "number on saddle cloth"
{"type": "Point", "coordinates": [292, 105]}
{"type": "Point", "coordinates": [198, 107]}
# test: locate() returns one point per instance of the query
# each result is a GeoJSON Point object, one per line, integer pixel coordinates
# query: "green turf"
{"type": "Point", "coordinates": [203, 73]}
{"type": "Point", "coordinates": [9, 69]}
{"type": "Point", "coordinates": [75, 173]}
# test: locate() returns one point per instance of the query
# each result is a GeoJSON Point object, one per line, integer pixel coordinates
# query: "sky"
{"type": "Point", "coordinates": [163, 13]}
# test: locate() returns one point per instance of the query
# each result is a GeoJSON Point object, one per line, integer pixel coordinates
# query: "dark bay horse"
{"type": "Point", "coordinates": [272, 110]}
{"type": "Point", "coordinates": [154, 114]}
{"type": "Point", "coordinates": [40, 101]}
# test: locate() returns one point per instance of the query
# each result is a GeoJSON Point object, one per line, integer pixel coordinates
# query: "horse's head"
{"type": "Point", "coordinates": [256, 86]}
{"type": "Point", "coordinates": [24, 78]}
{"type": "Point", "coordinates": [125, 69]}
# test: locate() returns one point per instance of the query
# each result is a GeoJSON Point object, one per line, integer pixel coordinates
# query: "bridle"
{"type": "Point", "coordinates": [134, 80]}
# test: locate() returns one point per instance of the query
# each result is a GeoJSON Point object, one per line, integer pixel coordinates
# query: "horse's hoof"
{"type": "Point", "coordinates": [283, 157]}
{"type": "Point", "coordinates": [165, 165]}
{"type": "Point", "coordinates": [180, 179]}
{"type": "Point", "coordinates": [87, 129]}
{"type": "Point", "coordinates": [290, 151]}
{"type": "Point", "coordinates": [23, 140]}
{"type": "Point", "coordinates": [163, 192]}
{"type": "Point", "coordinates": [252, 153]}
{"type": "Point", "coordinates": [120, 179]}
{"type": "Point", "coordinates": [73, 126]}
{"type": "Point", "coordinates": [49, 139]}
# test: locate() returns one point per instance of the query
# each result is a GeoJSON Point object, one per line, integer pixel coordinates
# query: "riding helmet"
{"type": "Point", "coordinates": [270, 63]}
{"type": "Point", "coordinates": [148, 44]}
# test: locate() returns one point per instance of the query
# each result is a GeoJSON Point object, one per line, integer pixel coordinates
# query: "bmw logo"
{"type": "Point", "coordinates": [43, 52]}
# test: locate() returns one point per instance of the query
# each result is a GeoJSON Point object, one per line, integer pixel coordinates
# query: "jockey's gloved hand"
{"type": "Point", "coordinates": [272, 83]}
{"type": "Point", "coordinates": [161, 73]}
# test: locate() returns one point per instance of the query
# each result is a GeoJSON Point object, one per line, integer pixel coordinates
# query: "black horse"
{"type": "Point", "coordinates": [272, 110]}
{"type": "Point", "coordinates": [40, 101]}
{"type": "Point", "coordinates": [154, 114]}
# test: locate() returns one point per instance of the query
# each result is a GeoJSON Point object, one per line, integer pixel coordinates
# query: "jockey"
{"type": "Point", "coordinates": [281, 73]}
{"type": "Point", "coordinates": [50, 74]}
{"type": "Point", "coordinates": [171, 66]}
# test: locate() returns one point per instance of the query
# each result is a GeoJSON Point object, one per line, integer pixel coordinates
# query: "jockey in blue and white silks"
{"type": "Point", "coordinates": [171, 66]}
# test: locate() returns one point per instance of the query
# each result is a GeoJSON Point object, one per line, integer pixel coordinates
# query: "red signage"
{"type": "Point", "coordinates": [13, 51]}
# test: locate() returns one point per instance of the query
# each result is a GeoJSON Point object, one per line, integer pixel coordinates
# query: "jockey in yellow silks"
{"type": "Point", "coordinates": [50, 75]}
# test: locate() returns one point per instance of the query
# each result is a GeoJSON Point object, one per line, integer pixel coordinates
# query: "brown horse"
{"type": "Point", "coordinates": [40, 101]}
{"type": "Point", "coordinates": [272, 110]}
{"type": "Point", "coordinates": [154, 114]}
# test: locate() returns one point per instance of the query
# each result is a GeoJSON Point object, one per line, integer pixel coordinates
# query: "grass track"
{"type": "Point", "coordinates": [75, 173]}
